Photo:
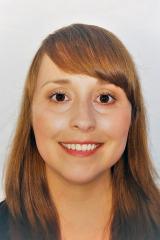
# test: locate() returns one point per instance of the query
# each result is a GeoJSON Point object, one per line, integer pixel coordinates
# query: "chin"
{"type": "Point", "coordinates": [82, 178]}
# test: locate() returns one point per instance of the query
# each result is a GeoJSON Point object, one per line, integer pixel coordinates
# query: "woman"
{"type": "Point", "coordinates": [79, 165]}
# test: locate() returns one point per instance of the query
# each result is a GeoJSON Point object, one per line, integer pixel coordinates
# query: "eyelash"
{"type": "Point", "coordinates": [63, 92]}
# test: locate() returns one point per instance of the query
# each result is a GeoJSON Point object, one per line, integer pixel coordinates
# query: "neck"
{"type": "Point", "coordinates": [82, 206]}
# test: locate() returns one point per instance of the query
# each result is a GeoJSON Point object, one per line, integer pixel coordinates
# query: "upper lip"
{"type": "Point", "coordinates": [81, 142]}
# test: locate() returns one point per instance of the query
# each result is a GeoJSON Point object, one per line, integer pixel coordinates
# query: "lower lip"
{"type": "Point", "coordinates": [81, 153]}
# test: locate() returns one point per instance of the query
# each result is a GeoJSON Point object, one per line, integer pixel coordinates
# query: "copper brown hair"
{"type": "Point", "coordinates": [94, 51]}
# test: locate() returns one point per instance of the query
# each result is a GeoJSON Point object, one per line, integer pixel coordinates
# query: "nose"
{"type": "Point", "coordinates": [82, 117]}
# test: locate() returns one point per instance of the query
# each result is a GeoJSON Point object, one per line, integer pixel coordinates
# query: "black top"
{"type": "Point", "coordinates": [24, 230]}
{"type": "Point", "coordinates": [7, 227]}
{"type": "Point", "coordinates": [6, 231]}
{"type": "Point", "coordinates": [4, 221]}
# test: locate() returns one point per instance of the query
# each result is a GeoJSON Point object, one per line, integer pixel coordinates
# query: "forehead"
{"type": "Point", "coordinates": [49, 72]}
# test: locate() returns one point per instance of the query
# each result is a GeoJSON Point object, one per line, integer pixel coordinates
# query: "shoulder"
{"type": "Point", "coordinates": [4, 221]}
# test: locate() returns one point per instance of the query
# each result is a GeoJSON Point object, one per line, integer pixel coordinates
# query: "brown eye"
{"type": "Point", "coordinates": [59, 97]}
{"type": "Point", "coordinates": [105, 98]}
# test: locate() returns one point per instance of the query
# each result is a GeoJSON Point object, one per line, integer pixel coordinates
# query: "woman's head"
{"type": "Point", "coordinates": [95, 54]}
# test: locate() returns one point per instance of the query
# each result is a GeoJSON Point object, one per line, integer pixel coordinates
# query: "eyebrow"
{"type": "Point", "coordinates": [67, 81]}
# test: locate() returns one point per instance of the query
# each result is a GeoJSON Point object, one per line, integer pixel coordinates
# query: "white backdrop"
{"type": "Point", "coordinates": [24, 24]}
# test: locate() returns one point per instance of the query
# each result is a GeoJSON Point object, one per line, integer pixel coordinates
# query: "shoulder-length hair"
{"type": "Point", "coordinates": [94, 51]}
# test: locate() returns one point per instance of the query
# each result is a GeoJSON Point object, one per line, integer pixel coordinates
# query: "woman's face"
{"type": "Point", "coordinates": [78, 110]}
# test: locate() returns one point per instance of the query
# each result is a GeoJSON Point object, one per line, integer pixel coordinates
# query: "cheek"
{"type": "Point", "coordinates": [115, 128]}
{"type": "Point", "coordinates": [116, 125]}
{"type": "Point", "coordinates": [46, 123]}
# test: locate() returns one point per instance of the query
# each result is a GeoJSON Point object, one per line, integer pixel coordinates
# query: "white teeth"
{"type": "Point", "coordinates": [80, 147]}
{"type": "Point", "coordinates": [84, 147]}
{"type": "Point", "coordinates": [73, 146]}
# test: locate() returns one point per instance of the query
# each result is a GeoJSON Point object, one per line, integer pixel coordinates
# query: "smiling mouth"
{"type": "Point", "coordinates": [80, 149]}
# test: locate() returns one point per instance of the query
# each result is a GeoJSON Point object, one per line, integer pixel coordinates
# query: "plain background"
{"type": "Point", "coordinates": [24, 24]}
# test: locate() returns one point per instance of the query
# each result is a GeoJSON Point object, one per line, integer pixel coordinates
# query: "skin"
{"type": "Point", "coordinates": [80, 186]}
